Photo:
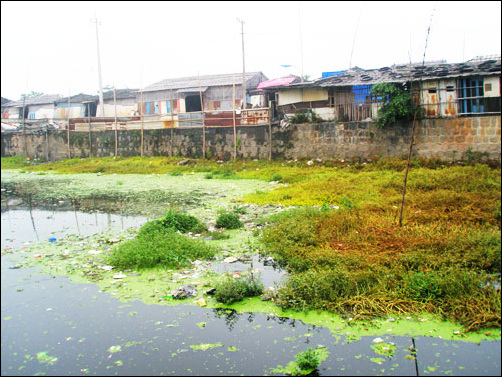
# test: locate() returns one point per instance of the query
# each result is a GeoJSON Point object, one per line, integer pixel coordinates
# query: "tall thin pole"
{"type": "Point", "coordinates": [233, 117]}
{"type": "Point", "coordinates": [89, 119]}
{"type": "Point", "coordinates": [68, 128]}
{"type": "Point", "coordinates": [243, 68]}
{"type": "Point", "coordinates": [203, 123]}
{"type": "Point", "coordinates": [99, 71]}
{"type": "Point", "coordinates": [413, 127]}
{"type": "Point", "coordinates": [115, 106]}
{"type": "Point", "coordinates": [301, 39]}
{"type": "Point", "coordinates": [141, 113]}
{"type": "Point", "coordinates": [24, 127]}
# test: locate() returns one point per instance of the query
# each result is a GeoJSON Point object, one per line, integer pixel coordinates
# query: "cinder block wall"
{"type": "Point", "coordinates": [447, 139]}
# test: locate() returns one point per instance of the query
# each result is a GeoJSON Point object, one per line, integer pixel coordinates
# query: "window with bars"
{"type": "Point", "coordinates": [472, 100]}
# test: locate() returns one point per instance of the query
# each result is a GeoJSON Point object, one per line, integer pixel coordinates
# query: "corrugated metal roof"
{"type": "Point", "coordinates": [120, 94]}
{"type": "Point", "coordinates": [40, 100]}
{"type": "Point", "coordinates": [196, 81]}
{"type": "Point", "coordinates": [192, 90]}
{"type": "Point", "coordinates": [413, 72]}
{"type": "Point", "coordinates": [79, 98]}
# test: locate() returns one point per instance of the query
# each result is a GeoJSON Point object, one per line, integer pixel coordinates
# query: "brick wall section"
{"type": "Point", "coordinates": [447, 139]}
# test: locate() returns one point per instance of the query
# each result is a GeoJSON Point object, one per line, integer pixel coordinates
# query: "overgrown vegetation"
{"type": "Point", "coordinates": [372, 268]}
{"type": "Point", "coordinates": [232, 289]}
{"type": "Point", "coordinates": [306, 363]}
{"type": "Point", "coordinates": [174, 220]}
{"type": "Point", "coordinates": [341, 242]}
{"type": "Point", "coordinates": [158, 243]}
{"type": "Point", "coordinates": [397, 104]}
{"type": "Point", "coordinates": [228, 220]}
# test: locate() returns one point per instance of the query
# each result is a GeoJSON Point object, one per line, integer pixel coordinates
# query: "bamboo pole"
{"type": "Point", "coordinates": [269, 136]}
{"type": "Point", "coordinates": [203, 125]}
{"type": "Point", "coordinates": [115, 108]}
{"type": "Point", "coordinates": [233, 117]}
{"type": "Point", "coordinates": [68, 128]}
{"type": "Point", "coordinates": [89, 118]}
{"type": "Point", "coordinates": [141, 114]}
{"type": "Point", "coordinates": [24, 127]}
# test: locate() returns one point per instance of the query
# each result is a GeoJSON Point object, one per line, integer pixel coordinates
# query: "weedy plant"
{"type": "Point", "coordinates": [228, 220]}
{"type": "Point", "coordinates": [176, 220]}
{"type": "Point", "coordinates": [158, 243]}
{"type": "Point", "coordinates": [164, 248]}
{"type": "Point", "coordinates": [230, 289]}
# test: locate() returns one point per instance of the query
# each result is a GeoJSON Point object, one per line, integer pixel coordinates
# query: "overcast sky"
{"type": "Point", "coordinates": [50, 47]}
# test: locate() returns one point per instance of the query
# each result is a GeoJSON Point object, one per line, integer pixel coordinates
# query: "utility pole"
{"type": "Point", "coordinates": [243, 68]}
{"type": "Point", "coordinates": [301, 39]}
{"type": "Point", "coordinates": [115, 107]}
{"type": "Point", "coordinates": [99, 71]}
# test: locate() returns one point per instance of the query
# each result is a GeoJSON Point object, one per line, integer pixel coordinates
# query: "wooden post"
{"type": "Point", "coordinates": [115, 106]}
{"type": "Point", "coordinates": [24, 128]}
{"type": "Point", "coordinates": [203, 123]}
{"type": "Point", "coordinates": [141, 113]}
{"type": "Point", "coordinates": [233, 117]}
{"type": "Point", "coordinates": [68, 128]}
{"type": "Point", "coordinates": [269, 136]}
{"type": "Point", "coordinates": [89, 118]}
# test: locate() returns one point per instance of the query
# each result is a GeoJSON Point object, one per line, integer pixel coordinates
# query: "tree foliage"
{"type": "Point", "coordinates": [400, 105]}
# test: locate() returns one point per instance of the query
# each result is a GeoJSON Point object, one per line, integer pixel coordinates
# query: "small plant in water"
{"type": "Point", "coordinates": [308, 361]}
{"type": "Point", "coordinates": [229, 221]}
{"type": "Point", "coordinates": [232, 289]}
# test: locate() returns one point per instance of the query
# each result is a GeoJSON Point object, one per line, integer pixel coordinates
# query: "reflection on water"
{"type": "Point", "coordinates": [55, 327]}
{"type": "Point", "coordinates": [39, 223]}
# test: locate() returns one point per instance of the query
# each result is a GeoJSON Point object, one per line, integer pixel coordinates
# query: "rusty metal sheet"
{"type": "Point", "coordinates": [255, 116]}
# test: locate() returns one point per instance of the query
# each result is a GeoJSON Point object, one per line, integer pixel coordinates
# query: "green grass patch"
{"type": "Point", "coordinates": [165, 248]}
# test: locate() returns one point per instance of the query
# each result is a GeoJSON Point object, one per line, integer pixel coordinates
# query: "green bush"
{"type": "Point", "coordinates": [308, 360]}
{"type": "Point", "coordinates": [229, 221]}
{"type": "Point", "coordinates": [179, 221]}
{"type": "Point", "coordinates": [231, 290]}
{"type": "Point", "coordinates": [164, 247]}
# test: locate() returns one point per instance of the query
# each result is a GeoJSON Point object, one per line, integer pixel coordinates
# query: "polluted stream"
{"type": "Point", "coordinates": [54, 324]}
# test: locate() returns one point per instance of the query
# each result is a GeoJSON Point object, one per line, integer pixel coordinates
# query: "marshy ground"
{"type": "Point", "coordinates": [332, 226]}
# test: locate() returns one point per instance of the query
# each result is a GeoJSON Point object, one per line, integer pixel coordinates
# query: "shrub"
{"type": "Point", "coordinates": [176, 220]}
{"type": "Point", "coordinates": [229, 221]}
{"type": "Point", "coordinates": [231, 290]}
{"type": "Point", "coordinates": [164, 247]}
{"type": "Point", "coordinates": [308, 360]}
{"type": "Point", "coordinates": [398, 104]}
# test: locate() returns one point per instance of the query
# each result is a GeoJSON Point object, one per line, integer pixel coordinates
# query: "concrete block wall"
{"type": "Point", "coordinates": [447, 139]}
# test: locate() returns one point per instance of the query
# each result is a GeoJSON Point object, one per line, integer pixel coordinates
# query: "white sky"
{"type": "Point", "coordinates": [50, 47]}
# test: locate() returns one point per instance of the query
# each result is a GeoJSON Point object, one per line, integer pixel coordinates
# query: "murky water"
{"type": "Point", "coordinates": [53, 326]}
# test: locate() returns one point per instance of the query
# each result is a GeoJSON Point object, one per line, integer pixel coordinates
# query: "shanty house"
{"type": "Point", "coordinates": [124, 103]}
{"type": "Point", "coordinates": [77, 106]}
{"type": "Point", "coordinates": [35, 108]}
{"type": "Point", "coordinates": [444, 90]}
{"type": "Point", "coordinates": [187, 97]}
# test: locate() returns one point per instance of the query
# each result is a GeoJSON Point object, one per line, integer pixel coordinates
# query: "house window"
{"type": "Point", "coordinates": [471, 96]}
{"type": "Point", "coordinates": [156, 108]}
{"type": "Point", "coordinates": [31, 115]}
{"type": "Point", "coordinates": [148, 108]}
{"type": "Point", "coordinates": [168, 107]}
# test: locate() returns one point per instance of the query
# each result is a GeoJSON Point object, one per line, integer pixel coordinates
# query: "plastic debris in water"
{"type": "Point", "coordinates": [201, 302]}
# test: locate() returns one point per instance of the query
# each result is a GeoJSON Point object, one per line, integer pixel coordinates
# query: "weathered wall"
{"type": "Point", "coordinates": [447, 139]}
